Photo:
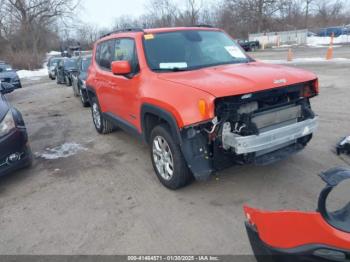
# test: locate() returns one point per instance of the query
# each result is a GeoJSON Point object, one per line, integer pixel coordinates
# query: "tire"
{"type": "Point", "coordinates": [171, 160]}
{"type": "Point", "coordinates": [102, 125]}
{"type": "Point", "coordinates": [67, 81]}
{"type": "Point", "coordinates": [75, 90]}
{"type": "Point", "coordinates": [83, 98]}
{"type": "Point", "coordinates": [58, 81]}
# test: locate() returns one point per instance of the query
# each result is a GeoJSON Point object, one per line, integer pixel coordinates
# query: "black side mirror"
{"type": "Point", "coordinates": [6, 88]}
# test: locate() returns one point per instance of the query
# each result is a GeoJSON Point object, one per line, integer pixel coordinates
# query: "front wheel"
{"type": "Point", "coordinates": [83, 98]}
{"type": "Point", "coordinates": [167, 159]}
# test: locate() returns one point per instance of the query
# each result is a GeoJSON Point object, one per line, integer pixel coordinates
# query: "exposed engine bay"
{"type": "Point", "coordinates": [259, 128]}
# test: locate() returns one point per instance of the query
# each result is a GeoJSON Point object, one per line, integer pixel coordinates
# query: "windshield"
{"type": "Point", "coordinates": [5, 68]}
{"type": "Point", "coordinates": [193, 49]}
{"type": "Point", "coordinates": [54, 61]}
{"type": "Point", "coordinates": [85, 63]}
{"type": "Point", "coordinates": [70, 63]}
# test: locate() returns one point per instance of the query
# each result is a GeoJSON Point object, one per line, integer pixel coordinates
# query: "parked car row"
{"type": "Point", "coordinates": [202, 107]}
{"type": "Point", "coordinates": [71, 72]}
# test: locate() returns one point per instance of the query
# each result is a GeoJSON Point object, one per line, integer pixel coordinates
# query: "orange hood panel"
{"type": "Point", "coordinates": [237, 79]}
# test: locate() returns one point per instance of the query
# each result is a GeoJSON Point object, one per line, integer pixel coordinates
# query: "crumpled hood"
{"type": "Point", "coordinates": [4, 107]}
{"type": "Point", "coordinates": [237, 79]}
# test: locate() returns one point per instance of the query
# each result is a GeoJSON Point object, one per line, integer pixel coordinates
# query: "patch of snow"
{"type": "Point", "coordinates": [317, 41]}
{"type": "Point", "coordinates": [33, 75]}
{"type": "Point", "coordinates": [63, 151]}
{"type": "Point", "coordinates": [53, 53]}
{"type": "Point", "coordinates": [308, 61]}
{"type": "Point", "coordinates": [37, 74]}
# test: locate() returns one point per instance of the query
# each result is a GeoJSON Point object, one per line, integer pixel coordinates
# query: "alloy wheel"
{"type": "Point", "coordinates": [163, 158]}
{"type": "Point", "coordinates": [96, 115]}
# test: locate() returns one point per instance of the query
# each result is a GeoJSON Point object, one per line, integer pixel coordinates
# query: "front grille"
{"type": "Point", "coordinates": [6, 79]}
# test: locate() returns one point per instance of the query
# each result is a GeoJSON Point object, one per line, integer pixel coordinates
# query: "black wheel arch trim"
{"type": "Point", "coordinates": [163, 114]}
{"type": "Point", "coordinates": [201, 166]}
{"type": "Point", "coordinates": [89, 90]}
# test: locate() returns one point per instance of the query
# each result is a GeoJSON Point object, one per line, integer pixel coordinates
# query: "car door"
{"type": "Point", "coordinates": [103, 76]}
{"type": "Point", "coordinates": [125, 88]}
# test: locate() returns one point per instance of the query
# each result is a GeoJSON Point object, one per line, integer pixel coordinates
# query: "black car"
{"type": "Point", "coordinates": [15, 152]}
{"type": "Point", "coordinates": [8, 75]}
{"type": "Point", "coordinates": [51, 66]}
{"type": "Point", "coordinates": [79, 85]}
{"type": "Point", "coordinates": [249, 46]}
{"type": "Point", "coordinates": [64, 70]}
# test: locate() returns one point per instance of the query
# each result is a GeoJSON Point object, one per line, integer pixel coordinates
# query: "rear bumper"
{"type": "Point", "coordinates": [16, 143]}
{"type": "Point", "coordinates": [310, 253]}
{"type": "Point", "coordinates": [271, 139]}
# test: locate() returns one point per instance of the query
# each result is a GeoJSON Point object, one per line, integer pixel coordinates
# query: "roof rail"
{"type": "Point", "coordinates": [123, 31]}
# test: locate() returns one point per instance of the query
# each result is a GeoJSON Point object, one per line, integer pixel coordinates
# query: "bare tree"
{"type": "Point", "coordinates": [28, 22]}
{"type": "Point", "coordinates": [161, 13]}
{"type": "Point", "coordinates": [193, 11]}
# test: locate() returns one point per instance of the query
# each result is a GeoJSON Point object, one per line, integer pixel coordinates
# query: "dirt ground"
{"type": "Point", "coordinates": [106, 199]}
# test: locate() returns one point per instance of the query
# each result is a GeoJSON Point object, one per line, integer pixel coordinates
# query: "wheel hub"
{"type": "Point", "coordinates": [96, 115]}
{"type": "Point", "coordinates": [163, 158]}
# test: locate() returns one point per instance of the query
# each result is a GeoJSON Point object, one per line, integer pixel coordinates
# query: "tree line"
{"type": "Point", "coordinates": [29, 28]}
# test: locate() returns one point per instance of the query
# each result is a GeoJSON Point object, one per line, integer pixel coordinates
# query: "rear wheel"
{"type": "Point", "coordinates": [67, 80]}
{"type": "Point", "coordinates": [83, 98]}
{"type": "Point", "coordinates": [167, 159]}
{"type": "Point", "coordinates": [102, 125]}
{"type": "Point", "coordinates": [75, 89]}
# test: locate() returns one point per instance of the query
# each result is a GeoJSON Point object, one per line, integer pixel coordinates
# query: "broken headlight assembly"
{"type": "Point", "coordinates": [7, 124]}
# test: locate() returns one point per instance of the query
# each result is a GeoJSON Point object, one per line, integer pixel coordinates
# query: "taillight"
{"type": "Point", "coordinates": [310, 89]}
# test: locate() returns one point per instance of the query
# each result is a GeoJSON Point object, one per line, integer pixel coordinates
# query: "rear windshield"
{"type": "Point", "coordinates": [70, 63]}
{"type": "Point", "coordinates": [85, 63]}
{"type": "Point", "coordinates": [5, 68]}
{"type": "Point", "coordinates": [54, 61]}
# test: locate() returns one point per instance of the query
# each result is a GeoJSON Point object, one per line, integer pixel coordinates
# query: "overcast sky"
{"type": "Point", "coordinates": [103, 12]}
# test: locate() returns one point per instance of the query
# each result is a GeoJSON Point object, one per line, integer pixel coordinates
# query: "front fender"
{"type": "Point", "coordinates": [193, 147]}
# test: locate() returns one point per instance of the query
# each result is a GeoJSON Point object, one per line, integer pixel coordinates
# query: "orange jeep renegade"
{"type": "Point", "coordinates": [198, 100]}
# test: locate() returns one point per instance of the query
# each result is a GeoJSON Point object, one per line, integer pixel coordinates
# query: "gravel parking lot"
{"type": "Point", "coordinates": [106, 199]}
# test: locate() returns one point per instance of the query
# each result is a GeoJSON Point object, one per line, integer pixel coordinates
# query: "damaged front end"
{"type": "Point", "coordinates": [257, 128]}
